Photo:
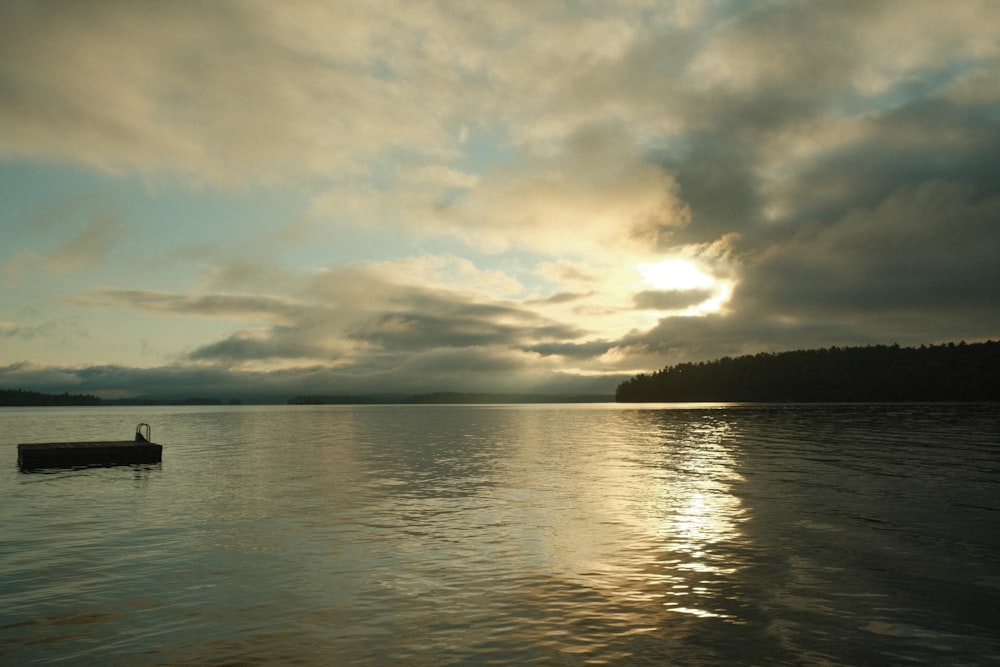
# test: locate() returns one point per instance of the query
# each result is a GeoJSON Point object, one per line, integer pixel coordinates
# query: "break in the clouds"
{"type": "Point", "coordinates": [336, 198]}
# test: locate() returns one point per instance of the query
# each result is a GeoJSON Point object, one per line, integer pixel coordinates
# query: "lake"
{"type": "Point", "coordinates": [508, 534]}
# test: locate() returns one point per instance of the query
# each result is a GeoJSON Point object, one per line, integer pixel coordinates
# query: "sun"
{"type": "Point", "coordinates": [675, 274]}
{"type": "Point", "coordinates": [680, 275]}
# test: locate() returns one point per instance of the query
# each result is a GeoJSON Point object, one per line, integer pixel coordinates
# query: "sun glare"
{"type": "Point", "coordinates": [675, 274]}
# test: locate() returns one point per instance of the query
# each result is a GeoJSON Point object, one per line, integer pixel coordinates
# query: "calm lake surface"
{"type": "Point", "coordinates": [510, 534]}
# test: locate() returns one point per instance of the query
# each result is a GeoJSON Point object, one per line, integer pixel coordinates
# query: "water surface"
{"type": "Point", "coordinates": [529, 534]}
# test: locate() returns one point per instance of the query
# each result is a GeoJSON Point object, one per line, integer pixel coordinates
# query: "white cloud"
{"type": "Point", "coordinates": [448, 272]}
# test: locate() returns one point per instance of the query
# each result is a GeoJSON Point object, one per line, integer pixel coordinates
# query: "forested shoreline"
{"type": "Point", "coordinates": [947, 372]}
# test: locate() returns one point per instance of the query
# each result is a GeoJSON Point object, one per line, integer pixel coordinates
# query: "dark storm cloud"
{"type": "Point", "coordinates": [364, 330]}
{"type": "Point", "coordinates": [929, 249]}
{"type": "Point", "coordinates": [475, 327]}
{"type": "Point", "coordinates": [578, 351]}
{"type": "Point", "coordinates": [923, 142]}
{"type": "Point", "coordinates": [278, 343]}
{"type": "Point", "coordinates": [720, 186]}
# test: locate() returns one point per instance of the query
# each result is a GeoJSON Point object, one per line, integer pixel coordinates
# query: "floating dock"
{"type": "Point", "coordinates": [70, 454]}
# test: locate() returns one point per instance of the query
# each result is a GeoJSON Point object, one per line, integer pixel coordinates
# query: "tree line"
{"type": "Point", "coordinates": [22, 398]}
{"type": "Point", "coordinates": [947, 372]}
{"type": "Point", "coordinates": [25, 398]}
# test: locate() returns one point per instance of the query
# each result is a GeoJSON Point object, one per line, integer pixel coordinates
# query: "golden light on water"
{"type": "Point", "coordinates": [664, 488]}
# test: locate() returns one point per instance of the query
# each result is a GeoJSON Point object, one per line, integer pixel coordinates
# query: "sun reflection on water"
{"type": "Point", "coordinates": [531, 534]}
{"type": "Point", "coordinates": [629, 522]}
{"type": "Point", "coordinates": [692, 517]}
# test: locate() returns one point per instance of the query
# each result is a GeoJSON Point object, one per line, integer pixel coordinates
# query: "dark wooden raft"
{"type": "Point", "coordinates": [111, 452]}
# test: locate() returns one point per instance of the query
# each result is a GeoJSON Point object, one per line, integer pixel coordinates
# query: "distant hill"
{"type": "Point", "coordinates": [22, 398]}
{"type": "Point", "coordinates": [949, 372]}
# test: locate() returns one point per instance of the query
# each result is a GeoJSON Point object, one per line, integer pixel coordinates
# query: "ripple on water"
{"type": "Point", "coordinates": [510, 535]}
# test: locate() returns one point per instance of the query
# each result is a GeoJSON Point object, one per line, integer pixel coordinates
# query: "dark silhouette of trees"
{"type": "Point", "coordinates": [947, 372]}
{"type": "Point", "coordinates": [22, 398]}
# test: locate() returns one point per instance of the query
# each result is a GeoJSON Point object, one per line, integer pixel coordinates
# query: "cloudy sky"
{"type": "Point", "coordinates": [229, 198]}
